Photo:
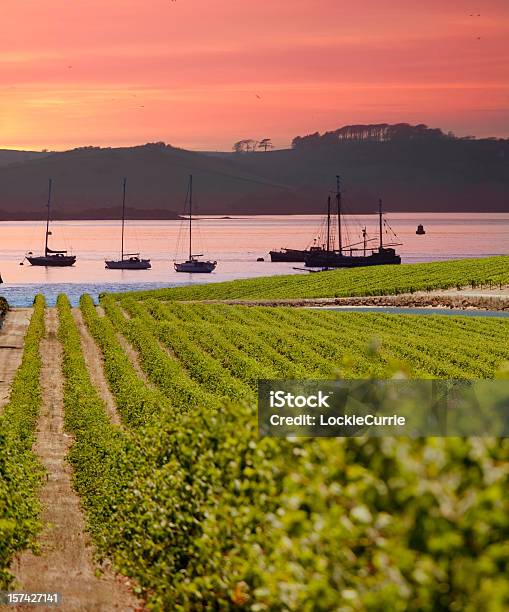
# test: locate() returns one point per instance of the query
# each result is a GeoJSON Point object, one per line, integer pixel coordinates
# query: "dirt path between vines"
{"type": "Point", "coordinates": [95, 367]}
{"type": "Point", "coordinates": [134, 358]}
{"type": "Point", "coordinates": [12, 336]}
{"type": "Point", "coordinates": [129, 350]}
{"type": "Point", "coordinates": [65, 563]}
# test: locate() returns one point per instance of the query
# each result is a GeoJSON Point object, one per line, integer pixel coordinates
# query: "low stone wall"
{"type": "Point", "coordinates": [403, 300]}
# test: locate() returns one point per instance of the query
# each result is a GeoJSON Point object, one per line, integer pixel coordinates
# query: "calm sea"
{"type": "Point", "coordinates": [235, 243]}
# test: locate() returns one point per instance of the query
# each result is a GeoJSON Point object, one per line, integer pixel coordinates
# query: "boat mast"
{"type": "Point", "coordinates": [190, 215]}
{"type": "Point", "coordinates": [123, 218]}
{"type": "Point", "coordinates": [338, 198]}
{"type": "Point", "coordinates": [47, 219]}
{"type": "Point", "coordinates": [328, 224]}
{"type": "Point", "coordinates": [380, 222]}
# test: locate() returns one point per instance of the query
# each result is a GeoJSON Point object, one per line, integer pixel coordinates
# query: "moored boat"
{"type": "Point", "coordinates": [346, 256]}
{"type": "Point", "coordinates": [294, 255]}
{"type": "Point", "coordinates": [130, 261]}
{"type": "Point", "coordinates": [51, 257]}
{"type": "Point", "coordinates": [127, 261]}
{"type": "Point", "coordinates": [193, 264]}
{"type": "Point", "coordinates": [378, 257]}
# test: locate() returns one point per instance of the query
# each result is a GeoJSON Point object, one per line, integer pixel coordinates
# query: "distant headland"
{"type": "Point", "coordinates": [413, 167]}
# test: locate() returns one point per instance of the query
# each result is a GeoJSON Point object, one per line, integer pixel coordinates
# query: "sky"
{"type": "Point", "coordinates": [202, 74]}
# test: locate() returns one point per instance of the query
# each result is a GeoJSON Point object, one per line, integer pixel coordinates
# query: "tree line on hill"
{"type": "Point", "coordinates": [250, 145]}
{"type": "Point", "coordinates": [382, 132]}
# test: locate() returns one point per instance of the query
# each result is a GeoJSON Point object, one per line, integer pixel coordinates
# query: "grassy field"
{"type": "Point", "coordinates": [488, 272]}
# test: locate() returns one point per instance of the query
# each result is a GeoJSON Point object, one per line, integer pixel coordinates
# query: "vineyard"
{"type": "Point", "coordinates": [488, 273]}
{"type": "Point", "coordinates": [20, 472]}
{"type": "Point", "coordinates": [183, 497]}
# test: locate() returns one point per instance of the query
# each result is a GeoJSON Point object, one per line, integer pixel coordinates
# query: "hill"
{"type": "Point", "coordinates": [8, 156]}
{"type": "Point", "coordinates": [89, 180]}
{"type": "Point", "coordinates": [413, 168]}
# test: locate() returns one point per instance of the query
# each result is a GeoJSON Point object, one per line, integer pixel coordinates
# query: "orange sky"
{"type": "Point", "coordinates": [189, 72]}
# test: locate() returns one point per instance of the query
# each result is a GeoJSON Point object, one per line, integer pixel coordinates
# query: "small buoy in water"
{"type": "Point", "coordinates": [21, 263]}
{"type": "Point", "coordinates": [420, 230]}
{"type": "Point", "coordinates": [260, 259]}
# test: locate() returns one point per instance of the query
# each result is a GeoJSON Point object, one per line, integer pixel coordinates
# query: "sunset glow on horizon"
{"type": "Point", "coordinates": [203, 74]}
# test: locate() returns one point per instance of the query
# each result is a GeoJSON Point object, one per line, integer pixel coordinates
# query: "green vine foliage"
{"type": "Point", "coordinates": [489, 272]}
{"type": "Point", "coordinates": [202, 514]}
{"type": "Point", "coordinates": [20, 471]}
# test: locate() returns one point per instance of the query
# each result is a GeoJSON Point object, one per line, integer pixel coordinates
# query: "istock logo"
{"type": "Point", "coordinates": [283, 399]}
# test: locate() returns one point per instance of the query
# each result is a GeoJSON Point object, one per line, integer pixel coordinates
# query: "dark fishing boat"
{"type": "Point", "coordinates": [193, 264]}
{"type": "Point", "coordinates": [127, 261]}
{"type": "Point", "coordinates": [347, 256]}
{"type": "Point", "coordinates": [420, 231]}
{"type": "Point", "coordinates": [299, 255]}
{"type": "Point", "coordinates": [51, 257]}
{"type": "Point", "coordinates": [295, 255]}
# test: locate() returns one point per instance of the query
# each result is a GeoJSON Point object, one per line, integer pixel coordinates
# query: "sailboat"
{"type": "Point", "coordinates": [193, 264]}
{"type": "Point", "coordinates": [51, 257]}
{"type": "Point", "coordinates": [127, 261]}
{"type": "Point", "coordinates": [344, 256]}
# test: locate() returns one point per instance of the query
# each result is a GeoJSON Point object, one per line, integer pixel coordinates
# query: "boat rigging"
{"type": "Point", "coordinates": [127, 261]}
{"type": "Point", "coordinates": [51, 257]}
{"type": "Point", "coordinates": [344, 256]}
{"type": "Point", "coordinates": [193, 264]}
